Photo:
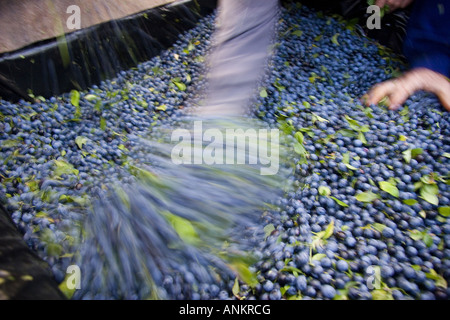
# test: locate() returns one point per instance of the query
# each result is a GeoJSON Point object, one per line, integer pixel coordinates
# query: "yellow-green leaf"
{"type": "Point", "coordinates": [324, 191]}
{"type": "Point", "coordinates": [80, 141]}
{"type": "Point", "coordinates": [64, 289]}
{"type": "Point", "coordinates": [329, 230]}
{"type": "Point", "coordinates": [184, 228]}
{"type": "Point", "coordinates": [444, 211]}
{"type": "Point", "coordinates": [75, 98]}
{"type": "Point", "coordinates": [334, 39]}
{"type": "Point", "coordinates": [367, 196]}
{"type": "Point", "coordinates": [339, 202]}
{"type": "Point", "coordinates": [263, 93]}
{"type": "Point", "coordinates": [389, 188]}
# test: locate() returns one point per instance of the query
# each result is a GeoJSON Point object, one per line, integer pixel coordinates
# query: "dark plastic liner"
{"type": "Point", "coordinates": [23, 274]}
{"type": "Point", "coordinates": [100, 52]}
{"type": "Point", "coordinates": [86, 57]}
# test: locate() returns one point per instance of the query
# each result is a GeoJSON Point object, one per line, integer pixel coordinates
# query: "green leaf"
{"type": "Point", "coordinates": [245, 274]}
{"type": "Point", "coordinates": [389, 188]}
{"type": "Point", "coordinates": [334, 39]}
{"type": "Point", "coordinates": [350, 167]}
{"type": "Point", "coordinates": [416, 235]}
{"type": "Point", "coordinates": [316, 118]}
{"type": "Point", "coordinates": [352, 123]}
{"type": "Point", "coordinates": [441, 219]}
{"type": "Point", "coordinates": [299, 149]}
{"type": "Point", "coordinates": [10, 143]}
{"type": "Point", "coordinates": [367, 196]}
{"type": "Point", "coordinates": [318, 256]}
{"type": "Point", "coordinates": [298, 33]}
{"type": "Point", "coordinates": [407, 155]}
{"type": "Point", "coordinates": [268, 229]}
{"type": "Point", "coordinates": [411, 154]}
{"type": "Point", "coordinates": [299, 136]}
{"type": "Point", "coordinates": [405, 113]}
{"type": "Point", "coordinates": [103, 123]}
{"type": "Point", "coordinates": [286, 128]}
{"type": "Point", "coordinates": [324, 191]}
{"type": "Point", "coordinates": [189, 48]}
{"type": "Point", "coordinates": [446, 154]}
{"type": "Point", "coordinates": [329, 230]}
{"type": "Point", "coordinates": [346, 158]}
{"type": "Point", "coordinates": [438, 279]}
{"type": "Point", "coordinates": [75, 98]}
{"type": "Point", "coordinates": [295, 271]}
{"type": "Point", "coordinates": [341, 295]}
{"type": "Point", "coordinates": [143, 104]}
{"type": "Point", "coordinates": [90, 97]}
{"type": "Point", "coordinates": [348, 133]}
{"type": "Point", "coordinates": [298, 296]}
{"type": "Point", "coordinates": [381, 294]}
{"type": "Point", "coordinates": [410, 202]}
{"type": "Point", "coordinates": [236, 288]}
{"type": "Point", "coordinates": [339, 202]}
{"type": "Point", "coordinates": [418, 185]}
{"type": "Point", "coordinates": [98, 106]}
{"type": "Point", "coordinates": [423, 214]}
{"type": "Point", "coordinates": [427, 179]}
{"type": "Point", "coordinates": [80, 141]}
{"type": "Point", "coordinates": [278, 85]}
{"type": "Point", "coordinates": [184, 228]}
{"type": "Point", "coordinates": [428, 240]}
{"type": "Point", "coordinates": [33, 185]}
{"type": "Point", "coordinates": [444, 211]}
{"type": "Point", "coordinates": [64, 289]}
{"type": "Point", "coordinates": [379, 227]}
{"type": "Point", "coordinates": [263, 93]}
{"type": "Point", "coordinates": [429, 193]}
{"type": "Point", "coordinates": [70, 199]}
{"type": "Point", "coordinates": [54, 249]}
{"type": "Point", "coordinates": [162, 107]}
{"type": "Point", "coordinates": [362, 137]}
{"type": "Point", "coordinates": [180, 85]}
{"type": "Point", "coordinates": [63, 167]}
{"type": "Point", "coordinates": [415, 152]}
{"type": "Point", "coordinates": [284, 289]}
{"type": "Point", "coordinates": [319, 37]}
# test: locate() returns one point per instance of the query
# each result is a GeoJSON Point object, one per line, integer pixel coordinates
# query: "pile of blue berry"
{"type": "Point", "coordinates": [369, 221]}
{"type": "Point", "coordinates": [367, 218]}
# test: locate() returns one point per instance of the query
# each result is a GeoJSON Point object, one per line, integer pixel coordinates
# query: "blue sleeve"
{"type": "Point", "coordinates": [427, 42]}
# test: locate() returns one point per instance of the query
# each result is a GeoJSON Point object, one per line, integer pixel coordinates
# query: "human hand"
{"type": "Point", "coordinates": [399, 89]}
{"type": "Point", "coordinates": [393, 4]}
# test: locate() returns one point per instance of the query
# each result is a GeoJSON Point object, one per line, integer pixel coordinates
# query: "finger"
{"type": "Point", "coordinates": [406, 3]}
{"type": "Point", "coordinates": [403, 88]}
{"type": "Point", "coordinates": [380, 91]}
{"type": "Point", "coordinates": [397, 98]}
{"type": "Point", "coordinates": [444, 98]}
{"type": "Point", "coordinates": [394, 4]}
{"type": "Point", "coordinates": [380, 3]}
